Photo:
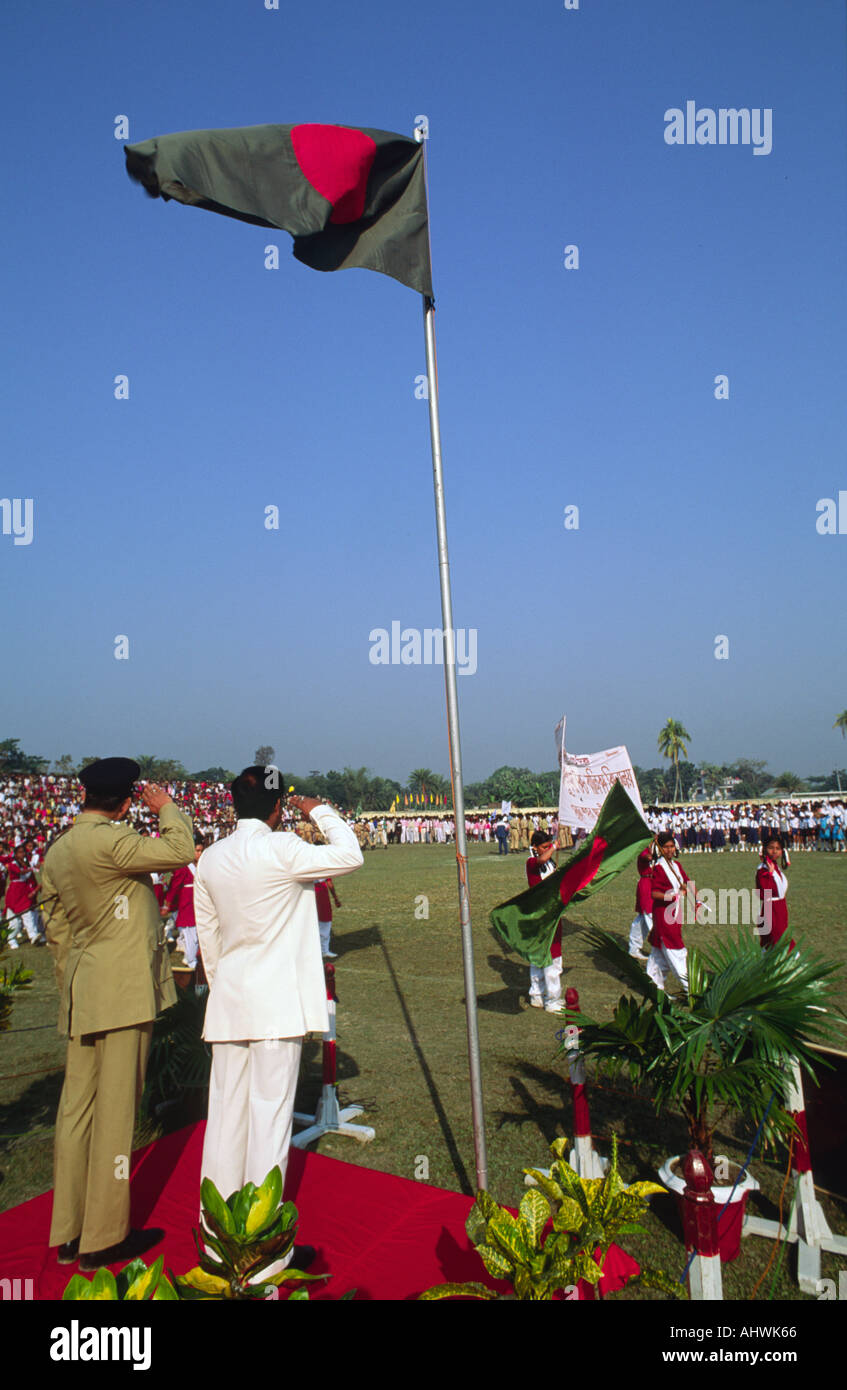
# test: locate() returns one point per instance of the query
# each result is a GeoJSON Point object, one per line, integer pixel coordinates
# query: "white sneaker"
{"type": "Point", "coordinates": [555, 1006]}
{"type": "Point", "coordinates": [12, 944]}
{"type": "Point", "coordinates": [536, 1002]}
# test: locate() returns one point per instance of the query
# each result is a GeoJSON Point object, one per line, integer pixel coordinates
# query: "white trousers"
{"type": "Point", "coordinates": [189, 944]}
{"type": "Point", "coordinates": [546, 979]}
{"type": "Point", "coordinates": [662, 959]}
{"type": "Point", "coordinates": [251, 1109]}
{"type": "Point", "coordinates": [325, 929]}
{"type": "Point", "coordinates": [29, 922]}
{"type": "Point", "coordinates": [642, 925]}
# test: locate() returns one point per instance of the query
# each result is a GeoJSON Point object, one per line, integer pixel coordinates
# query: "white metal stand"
{"type": "Point", "coordinates": [328, 1119]}
{"type": "Point", "coordinates": [808, 1226]}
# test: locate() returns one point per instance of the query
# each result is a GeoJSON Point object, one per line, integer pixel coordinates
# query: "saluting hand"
{"type": "Point", "coordinates": [155, 797]}
{"type": "Point", "coordinates": [304, 804]}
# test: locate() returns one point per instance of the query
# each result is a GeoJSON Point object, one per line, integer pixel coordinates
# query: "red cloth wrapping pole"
{"type": "Point", "coordinates": [581, 1117]}
{"type": "Point", "coordinates": [802, 1158]}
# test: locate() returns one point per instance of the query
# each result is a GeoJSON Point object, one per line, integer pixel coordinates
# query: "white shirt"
{"type": "Point", "coordinates": [257, 924]}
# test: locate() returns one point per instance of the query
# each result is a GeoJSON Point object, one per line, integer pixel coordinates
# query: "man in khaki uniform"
{"type": "Point", "coordinates": [104, 930]}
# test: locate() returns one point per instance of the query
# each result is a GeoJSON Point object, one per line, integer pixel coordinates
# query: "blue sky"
{"type": "Point", "coordinates": [591, 387]}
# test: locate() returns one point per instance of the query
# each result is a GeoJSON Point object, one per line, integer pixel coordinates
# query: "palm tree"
{"type": "Point", "coordinates": [725, 1045]}
{"type": "Point", "coordinates": [671, 743]}
{"type": "Point", "coordinates": [789, 782]}
{"type": "Point", "coordinates": [841, 723]}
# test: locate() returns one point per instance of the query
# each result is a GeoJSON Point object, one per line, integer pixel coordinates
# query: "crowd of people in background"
{"type": "Point", "coordinates": [34, 809]}
{"type": "Point", "coordinates": [801, 825]}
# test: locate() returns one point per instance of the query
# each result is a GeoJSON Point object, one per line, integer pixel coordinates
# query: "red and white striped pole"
{"type": "Point", "coordinates": [584, 1159]}
{"type": "Point", "coordinates": [328, 1119]}
{"type": "Point", "coordinates": [700, 1229]}
{"type": "Point", "coordinates": [808, 1225]}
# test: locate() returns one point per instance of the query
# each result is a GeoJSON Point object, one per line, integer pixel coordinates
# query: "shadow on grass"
{"type": "Point", "coordinates": [34, 1108]}
{"type": "Point", "coordinates": [441, 1115]}
{"type": "Point", "coordinates": [514, 975]}
{"type": "Point", "coordinates": [345, 942]}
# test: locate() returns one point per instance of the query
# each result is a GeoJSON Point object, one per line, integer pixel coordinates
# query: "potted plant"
{"type": "Point", "coordinates": [540, 1261]}
{"type": "Point", "coordinates": [725, 1046]}
{"type": "Point", "coordinates": [241, 1238]}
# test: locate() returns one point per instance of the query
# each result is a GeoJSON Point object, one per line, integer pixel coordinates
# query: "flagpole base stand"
{"type": "Point", "coordinates": [328, 1119]}
{"type": "Point", "coordinates": [585, 1160]}
{"type": "Point", "coordinates": [808, 1229]}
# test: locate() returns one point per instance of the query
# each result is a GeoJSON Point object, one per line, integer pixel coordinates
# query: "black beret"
{"type": "Point", "coordinates": [110, 776]}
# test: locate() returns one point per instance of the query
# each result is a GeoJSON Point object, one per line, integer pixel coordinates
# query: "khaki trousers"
{"type": "Point", "coordinates": [104, 1078]}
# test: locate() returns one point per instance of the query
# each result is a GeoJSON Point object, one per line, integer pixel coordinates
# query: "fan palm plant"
{"type": "Point", "coordinates": [727, 1045]}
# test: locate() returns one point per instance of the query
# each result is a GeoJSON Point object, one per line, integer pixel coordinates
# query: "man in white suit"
{"type": "Point", "coordinates": [257, 924]}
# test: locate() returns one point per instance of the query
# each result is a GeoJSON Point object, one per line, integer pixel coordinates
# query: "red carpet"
{"type": "Point", "coordinates": [386, 1237]}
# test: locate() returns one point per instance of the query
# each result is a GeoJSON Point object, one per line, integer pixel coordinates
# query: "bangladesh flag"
{"type": "Point", "coordinates": [528, 922]}
{"type": "Point", "coordinates": [348, 197]}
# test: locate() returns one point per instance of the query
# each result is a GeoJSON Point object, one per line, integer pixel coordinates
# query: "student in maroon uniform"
{"type": "Point", "coordinates": [180, 899]}
{"type": "Point", "coordinates": [669, 881]}
{"type": "Point", "coordinates": [545, 981]}
{"type": "Point", "coordinates": [642, 922]}
{"type": "Point", "coordinates": [323, 888]}
{"type": "Point", "coordinates": [771, 888]}
{"type": "Point", "coordinates": [21, 893]}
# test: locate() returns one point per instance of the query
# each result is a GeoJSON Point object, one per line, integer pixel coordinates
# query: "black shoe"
{"type": "Point", "coordinates": [302, 1256]}
{"type": "Point", "coordinates": [136, 1243]}
{"type": "Point", "coordinates": [67, 1253]}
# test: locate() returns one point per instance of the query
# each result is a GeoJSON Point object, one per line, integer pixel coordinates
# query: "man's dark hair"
{"type": "Point", "coordinates": [250, 797]}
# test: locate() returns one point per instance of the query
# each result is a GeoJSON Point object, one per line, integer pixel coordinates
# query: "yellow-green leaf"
{"type": "Point", "coordinates": [504, 1230]}
{"type": "Point", "coordinates": [145, 1282]}
{"type": "Point", "coordinates": [103, 1287]}
{"type": "Point", "coordinates": [646, 1189]}
{"type": "Point", "coordinates": [265, 1202]}
{"type": "Point", "coordinates": [495, 1262]}
{"type": "Point", "coordinates": [208, 1284]}
{"type": "Point", "coordinates": [535, 1210]}
{"type": "Point", "coordinates": [457, 1291]}
{"type": "Point", "coordinates": [569, 1217]}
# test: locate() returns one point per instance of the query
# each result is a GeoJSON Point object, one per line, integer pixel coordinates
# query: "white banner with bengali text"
{"type": "Point", "coordinates": [587, 779]}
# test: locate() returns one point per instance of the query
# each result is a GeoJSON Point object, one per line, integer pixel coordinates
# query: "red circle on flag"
{"type": "Point", "coordinates": [337, 162]}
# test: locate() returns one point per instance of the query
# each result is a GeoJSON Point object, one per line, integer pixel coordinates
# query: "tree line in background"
{"type": "Point", "coordinates": [357, 789]}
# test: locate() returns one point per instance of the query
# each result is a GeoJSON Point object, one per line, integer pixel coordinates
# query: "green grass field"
{"type": "Point", "coordinates": [402, 1044]}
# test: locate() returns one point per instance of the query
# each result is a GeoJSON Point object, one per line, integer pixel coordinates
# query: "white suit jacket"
{"type": "Point", "coordinates": [257, 923]}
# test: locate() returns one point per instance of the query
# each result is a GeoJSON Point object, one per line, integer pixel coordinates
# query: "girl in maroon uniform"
{"type": "Point", "coordinates": [772, 886]}
{"type": "Point", "coordinates": [545, 980]}
{"type": "Point", "coordinates": [669, 889]}
{"type": "Point", "coordinates": [642, 922]}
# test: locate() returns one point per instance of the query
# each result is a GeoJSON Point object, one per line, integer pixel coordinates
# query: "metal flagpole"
{"type": "Point", "coordinates": [422, 135]}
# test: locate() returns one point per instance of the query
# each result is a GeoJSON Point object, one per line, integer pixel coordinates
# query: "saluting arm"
{"type": "Point", "coordinates": [309, 862]}
{"type": "Point", "coordinates": [139, 854]}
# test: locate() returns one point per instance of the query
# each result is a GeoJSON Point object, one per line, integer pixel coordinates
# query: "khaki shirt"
{"type": "Point", "coordinates": [104, 928]}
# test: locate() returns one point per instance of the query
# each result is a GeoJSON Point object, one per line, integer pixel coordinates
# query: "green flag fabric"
{"type": "Point", "coordinates": [349, 197]}
{"type": "Point", "coordinates": [528, 921]}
